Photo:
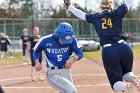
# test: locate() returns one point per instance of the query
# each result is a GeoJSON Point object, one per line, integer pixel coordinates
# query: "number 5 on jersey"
{"type": "Point", "coordinates": [59, 58]}
{"type": "Point", "coordinates": [107, 23]}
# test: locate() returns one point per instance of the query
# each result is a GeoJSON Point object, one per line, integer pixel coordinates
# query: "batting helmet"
{"type": "Point", "coordinates": [106, 4]}
{"type": "Point", "coordinates": [64, 32]}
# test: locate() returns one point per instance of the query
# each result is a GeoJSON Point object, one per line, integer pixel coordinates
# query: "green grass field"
{"type": "Point", "coordinates": [95, 54]}
{"type": "Point", "coordinates": [136, 51]}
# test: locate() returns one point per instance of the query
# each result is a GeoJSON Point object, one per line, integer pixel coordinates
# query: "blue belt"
{"type": "Point", "coordinates": [55, 67]}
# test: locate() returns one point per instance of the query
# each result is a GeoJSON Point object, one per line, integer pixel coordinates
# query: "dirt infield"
{"type": "Point", "coordinates": [88, 78]}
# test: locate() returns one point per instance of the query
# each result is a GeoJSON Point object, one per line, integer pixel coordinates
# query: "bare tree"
{"type": "Point", "coordinates": [43, 8]}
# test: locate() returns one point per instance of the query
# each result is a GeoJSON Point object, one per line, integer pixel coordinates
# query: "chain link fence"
{"type": "Point", "coordinates": [83, 30]}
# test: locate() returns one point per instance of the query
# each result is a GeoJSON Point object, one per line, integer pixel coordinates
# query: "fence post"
{"type": "Point", "coordinates": [4, 26]}
{"type": "Point", "coordinates": [13, 32]}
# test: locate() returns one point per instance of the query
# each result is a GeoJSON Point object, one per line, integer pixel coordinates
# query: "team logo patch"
{"type": "Point", "coordinates": [25, 38]}
{"type": "Point", "coordinates": [3, 41]}
{"type": "Point", "coordinates": [68, 37]}
{"type": "Point", "coordinates": [36, 40]}
{"type": "Point", "coordinates": [49, 44]}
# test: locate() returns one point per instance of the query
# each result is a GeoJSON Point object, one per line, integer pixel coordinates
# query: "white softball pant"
{"type": "Point", "coordinates": [61, 80]}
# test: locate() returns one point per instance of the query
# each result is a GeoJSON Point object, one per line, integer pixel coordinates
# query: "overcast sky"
{"type": "Point", "coordinates": [91, 4]}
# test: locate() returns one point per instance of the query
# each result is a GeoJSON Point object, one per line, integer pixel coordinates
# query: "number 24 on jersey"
{"type": "Point", "coordinates": [107, 23]}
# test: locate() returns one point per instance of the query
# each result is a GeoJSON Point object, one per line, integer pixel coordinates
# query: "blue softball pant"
{"type": "Point", "coordinates": [117, 61]}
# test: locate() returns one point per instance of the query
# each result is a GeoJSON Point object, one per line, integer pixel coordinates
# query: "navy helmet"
{"type": "Point", "coordinates": [64, 32]}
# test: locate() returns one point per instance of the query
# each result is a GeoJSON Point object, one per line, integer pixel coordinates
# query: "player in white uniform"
{"type": "Point", "coordinates": [58, 48]}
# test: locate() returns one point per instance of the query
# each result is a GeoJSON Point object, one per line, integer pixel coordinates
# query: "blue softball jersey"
{"type": "Point", "coordinates": [108, 24]}
{"type": "Point", "coordinates": [56, 54]}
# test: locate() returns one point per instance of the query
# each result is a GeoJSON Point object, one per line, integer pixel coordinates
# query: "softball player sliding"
{"type": "Point", "coordinates": [117, 55]}
{"type": "Point", "coordinates": [30, 46]}
{"type": "Point", "coordinates": [58, 48]}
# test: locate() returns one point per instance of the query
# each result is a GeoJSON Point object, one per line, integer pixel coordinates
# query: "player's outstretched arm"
{"type": "Point", "coordinates": [78, 13]}
{"type": "Point", "coordinates": [128, 3]}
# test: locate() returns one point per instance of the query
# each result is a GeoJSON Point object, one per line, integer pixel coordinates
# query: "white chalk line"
{"type": "Point", "coordinates": [48, 87]}
{"type": "Point", "coordinates": [10, 66]}
{"type": "Point", "coordinates": [12, 79]}
{"type": "Point", "coordinates": [15, 65]}
{"type": "Point", "coordinates": [79, 75]}
{"type": "Point", "coordinates": [75, 75]}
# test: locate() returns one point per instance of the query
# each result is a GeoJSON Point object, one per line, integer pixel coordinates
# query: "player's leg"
{"type": "Point", "coordinates": [131, 78]}
{"type": "Point", "coordinates": [6, 55]}
{"type": "Point", "coordinates": [9, 53]}
{"type": "Point", "coordinates": [23, 54]}
{"type": "Point", "coordinates": [27, 57]}
{"type": "Point", "coordinates": [1, 55]}
{"type": "Point", "coordinates": [1, 90]}
{"type": "Point", "coordinates": [28, 60]}
{"type": "Point", "coordinates": [57, 81]}
{"type": "Point", "coordinates": [2, 52]}
{"type": "Point", "coordinates": [67, 74]}
{"type": "Point", "coordinates": [33, 71]}
{"type": "Point", "coordinates": [5, 52]}
{"type": "Point", "coordinates": [111, 62]}
{"type": "Point", "coordinates": [115, 79]}
{"type": "Point", "coordinates": [4, 48]}
{"type": "Point", "coordinates": [123, 87]}
{"type": "Point", "coordinates": [129, 89]}
{"type": "Point", "coordinates": [127, 64]}
{"type": "Point", "coordinates": [41, 71]}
